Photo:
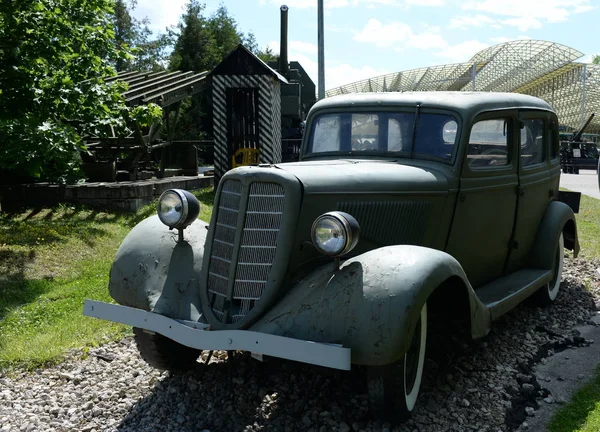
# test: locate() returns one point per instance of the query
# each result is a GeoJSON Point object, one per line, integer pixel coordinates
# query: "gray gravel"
{"type": "Point", "coordinates": [486, 385]}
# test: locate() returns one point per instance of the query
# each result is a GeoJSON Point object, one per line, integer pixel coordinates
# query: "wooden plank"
{"type": "Point", "coordinates": [176, 94]}
{"type": "Point", "coordinates": [120, 76]}
{"type": "Point", "coordinates": [147, 76]}
{"type": "Point", "coordinates": [155, 83]}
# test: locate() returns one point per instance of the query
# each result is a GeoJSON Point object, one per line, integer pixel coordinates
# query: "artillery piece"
{"type": "Point", "coordinates": [577, 154]}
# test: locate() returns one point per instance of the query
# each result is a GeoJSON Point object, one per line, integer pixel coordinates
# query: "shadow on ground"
{"type": "Point", "coordinates": [473, 384]}
{"type": "Point", "coordinates": [275, 395]}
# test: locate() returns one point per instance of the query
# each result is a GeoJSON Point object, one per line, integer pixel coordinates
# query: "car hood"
{"type": "Point", "coordinates": [328, 176]}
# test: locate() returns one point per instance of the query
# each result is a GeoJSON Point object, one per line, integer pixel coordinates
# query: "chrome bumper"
{"type": "Point", "coordinates": [198, 335]}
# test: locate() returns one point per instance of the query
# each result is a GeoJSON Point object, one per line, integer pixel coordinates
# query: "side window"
{"type": "Point", "coordinates": [488, 144]}
{"type": "Point", "coordinates": [533, 149]}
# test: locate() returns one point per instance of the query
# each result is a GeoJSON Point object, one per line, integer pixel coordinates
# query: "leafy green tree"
{"type": "Point", "coordinates": [147, 52]}
{"type": "Point", "coordinates": [53, 55]}
{"type": "Point", "coordinates": [125, 31]}
{"type": "Point", "coordinates": [596, 59]}
{"type": "Point", "coordinates": [267, 55]}
{"type": "Point", "coordinates": [249, 42]}
{"type": "Point", "coordinates": [201, 42]}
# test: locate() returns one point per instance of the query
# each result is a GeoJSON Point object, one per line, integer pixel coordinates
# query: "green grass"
{"type": "Point", "coordinates": [51, 260]}
{"type": "Point", "coordinates": [588, 227]}
{"type": "Point", "coordinates": [582, 414]}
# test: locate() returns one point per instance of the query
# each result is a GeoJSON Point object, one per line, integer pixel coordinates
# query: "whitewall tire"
{"type": "Point", "coordinates": [394, 389]}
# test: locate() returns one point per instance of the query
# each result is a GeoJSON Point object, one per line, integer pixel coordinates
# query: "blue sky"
{"type": "Point", "coordinates": [365, 38]}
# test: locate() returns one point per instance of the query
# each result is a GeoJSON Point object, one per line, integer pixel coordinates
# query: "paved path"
{"type": "Point", "coordinates": [564, 373]}
{"type": "Point", "coordinates": [585, 182]}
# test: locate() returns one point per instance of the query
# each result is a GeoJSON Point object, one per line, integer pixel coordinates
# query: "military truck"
{"type": "Point", "coordinates": [346, 258]}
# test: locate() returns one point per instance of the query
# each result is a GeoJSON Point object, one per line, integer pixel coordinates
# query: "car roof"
{"type": "Point", "coordinates": [469, 103]}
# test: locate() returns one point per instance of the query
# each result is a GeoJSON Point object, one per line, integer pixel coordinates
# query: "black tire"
{"type": "Point", "coordinates": [392, 391]}
{"type": "Point", "coordinates": [547, 294]}
{"type": "Point", "coordinates": [163, 353]}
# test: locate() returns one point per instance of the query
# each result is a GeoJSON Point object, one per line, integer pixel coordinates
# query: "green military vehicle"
{"type": "Point", "coordinates": [444, 206]}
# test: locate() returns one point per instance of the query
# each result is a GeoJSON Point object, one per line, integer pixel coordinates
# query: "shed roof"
{"type": "Point", "coordinates": [241, 61]}
{"type": "Point", "coordinates": [162, 88]}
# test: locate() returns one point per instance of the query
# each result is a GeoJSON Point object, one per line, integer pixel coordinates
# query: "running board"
{"type": "Point", "coordinates": [504, 293]}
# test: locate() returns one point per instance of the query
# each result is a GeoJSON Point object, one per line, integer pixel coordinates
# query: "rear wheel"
{"type": "Point", "coordinates": [393, 388]}
{"type": "Point", "coordinates": [163, 353]}
{"type": "Point", "coordinates": [548, 293]}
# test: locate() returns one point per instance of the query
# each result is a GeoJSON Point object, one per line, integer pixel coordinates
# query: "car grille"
{"type": "Point", "coordinates": [249, 261]}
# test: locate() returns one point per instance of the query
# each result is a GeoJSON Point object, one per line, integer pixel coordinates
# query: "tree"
{"type": "Point", "coordinates": [53, 56]}
{"type": "Point", "coordinates": [136, 38]}
{"type": "Point", "coordinates": [125, 31]}
{"type": "Point", "coordinates": [267, 55]}
{"type": "Point", "coordinates": [596, 59]}
{"type": "Point", "coordinates": [202, 42]}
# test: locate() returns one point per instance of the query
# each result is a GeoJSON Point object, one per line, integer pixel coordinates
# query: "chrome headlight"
{"type": "Point", "coordinates": [177, 208]}
{"type": "Point", "coordinates": [335, 233]}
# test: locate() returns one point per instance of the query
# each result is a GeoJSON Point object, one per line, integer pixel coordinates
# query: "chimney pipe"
{"type": "Point", "coordinates": [284, 67]}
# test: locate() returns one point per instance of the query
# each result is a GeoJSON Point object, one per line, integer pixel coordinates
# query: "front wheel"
{"type": "Point", "coordinates": [548, 293]}
{"type": "Point", "coordinates": [163, 353]}
{"type": "Point", "coordinates": [393, 388]}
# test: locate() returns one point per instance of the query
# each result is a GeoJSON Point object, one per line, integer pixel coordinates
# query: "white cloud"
{"type": "Point", "coordinates": [532, 10]}
{"type": "Point", "coordinates": [296, 46]}
{"type": "Point", "coordinates": [160, 13]}
{"type": "Point", "coordinates": [503, 39]}
{"type": "Point", "coordinates": [523, 23]}
{"type": "Point", "coordinates": [399, 36]}
{"type": "Point", "coordinates": [304, 47]}
{"type": "Point", "coordinates": [463, 22]}
{"type": "Point", "coordinates": [587, 59]}
{"type": "Point", "coordinates": [336, 74]}
{"type": "Point", "coordinates": [425, 2]}
{"type": "Point", "coordinates": [304, 4]}
{"type": "Point", "coordinates": [462, 52]}
{"type": "Point", "coordinates": [332, 4]}
{"type": "Point", "coordinates": [340, 74]}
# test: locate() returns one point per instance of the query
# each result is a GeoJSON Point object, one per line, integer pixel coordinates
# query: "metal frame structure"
{"type": "Point", "coordinates": [539, 68]}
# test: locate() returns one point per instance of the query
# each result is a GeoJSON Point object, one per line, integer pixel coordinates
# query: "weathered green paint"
{"type": "Point", "coordinates": [422, 223]}
{"type": "Point", "coordinates": [155, 272]}
{"type": "Point", "coordinates": [556, 217]}
{"type": "Point", "coordinates": [370, 304]}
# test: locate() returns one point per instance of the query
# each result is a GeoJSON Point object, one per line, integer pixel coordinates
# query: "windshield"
{"type": "Point", "coordinates": [385, 132]}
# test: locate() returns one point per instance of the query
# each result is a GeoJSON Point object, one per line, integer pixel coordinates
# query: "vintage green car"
{"type": "Point", "coordinates": [403, 209]}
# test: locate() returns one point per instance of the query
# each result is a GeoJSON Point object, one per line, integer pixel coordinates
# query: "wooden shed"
{"type": "Point", "coordinates": [246, 109]}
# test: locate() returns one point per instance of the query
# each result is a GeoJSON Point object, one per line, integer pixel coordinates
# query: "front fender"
{"type": "Point", "coordinates": [371, 304]}
{"type": "Point", "coordinates": [153, 271]}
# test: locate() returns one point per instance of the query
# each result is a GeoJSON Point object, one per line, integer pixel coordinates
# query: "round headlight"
{"type": "Point", "coordinates": [177, 208]}
{"type": "Point", "coordinates": [335, 233]}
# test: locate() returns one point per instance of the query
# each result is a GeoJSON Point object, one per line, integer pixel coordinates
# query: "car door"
{"type": "Point", "coordinates": [535, 185]}
{"type": "Point", "coordinates": [485, 209]}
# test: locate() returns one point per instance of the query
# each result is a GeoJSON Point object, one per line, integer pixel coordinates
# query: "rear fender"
{"type": "Point", "coordinates": [371, 304]}
{"type": "Point", "coordinates": [153, 271]}
{"type": "Point", "coordinates": [559, 217]}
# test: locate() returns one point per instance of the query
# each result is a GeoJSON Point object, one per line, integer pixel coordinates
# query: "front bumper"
{"type": "Point", "coordinates": [198, 335]}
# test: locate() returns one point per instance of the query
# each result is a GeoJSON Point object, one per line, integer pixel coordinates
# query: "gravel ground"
{"type": "Point", "coordinates": [486, 385]}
